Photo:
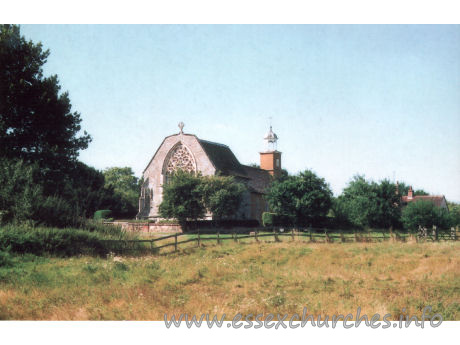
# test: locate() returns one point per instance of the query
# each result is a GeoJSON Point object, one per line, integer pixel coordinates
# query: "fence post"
{"type": "Point", "coordinates": [342, 237]}
{"type": "Point", "coordinates": [255, 236]}
{"type": "Point", "coordinates": [356, 237]}
{"type": "Point", "coordinates": [218, 239]}
{"type": "Point", "coordinates": [275, 235]}
{"type": "Point", "coordinates": [292, 234]}
{"type": "Point", "coordinates": [175, 242]}
{"type": "Point", "coordinates": [326, 237]}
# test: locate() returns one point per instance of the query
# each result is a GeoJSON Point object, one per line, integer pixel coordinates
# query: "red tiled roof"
{"type": "Point", "coordinates": [435, 199]}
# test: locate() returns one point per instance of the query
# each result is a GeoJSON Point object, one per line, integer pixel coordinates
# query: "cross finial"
{"type": "Point", "coordinates": [181, 127]}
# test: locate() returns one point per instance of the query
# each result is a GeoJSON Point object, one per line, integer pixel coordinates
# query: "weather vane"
{"type": "Point", "coordinates": [181, 127]}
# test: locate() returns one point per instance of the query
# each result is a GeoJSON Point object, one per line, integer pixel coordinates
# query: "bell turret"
{"type": "Point", "coordinates": [270, 140]}
{"type": "Point", "coordinates": [270, 159]}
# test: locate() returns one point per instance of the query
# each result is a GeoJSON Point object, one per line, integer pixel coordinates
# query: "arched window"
{"type": "Point", "coordinates": [179, 158]}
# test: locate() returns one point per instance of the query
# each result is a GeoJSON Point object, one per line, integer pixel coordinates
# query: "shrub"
{"type": "Point", "coordinates": [5, 258]}
{"type": "Point", "coordinates": [270, 219]}
{"type": "Point", "coordinates": [267, 218]}
{"type": "Point", "coordinates": [102, 214]}
{"type": "Point", "coordinates": [61, 242]}
{"type": "Point", "coordinates": [426, 214]}
{"type": "Point", "coordinates": [55, 211]}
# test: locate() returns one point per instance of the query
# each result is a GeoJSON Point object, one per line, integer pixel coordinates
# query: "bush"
{"type": "Point", "coordinates": [267, 218]}
{"type": "Point", "coordinates": [61, 242]}
{"type": "Point", "coordinates": [270, 219]}
{"type": "Point", "coordinates": [102, 214]}
{"type": "Point", "coordinates": [5, 259]}
{"type": "Point", "coordinates": [55, 211]}
{"type": "Point", "coordinates": [425, 214]}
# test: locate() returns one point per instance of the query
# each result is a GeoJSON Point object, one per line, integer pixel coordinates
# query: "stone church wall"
{"type": "Point", "coordinates": [154, 171]}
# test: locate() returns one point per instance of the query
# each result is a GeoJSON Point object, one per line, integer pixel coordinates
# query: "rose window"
{"type": "Point", "coordinates": [180, 159]}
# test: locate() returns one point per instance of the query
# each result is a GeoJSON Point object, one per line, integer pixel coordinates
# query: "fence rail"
{"type": "Point", "coordinates": [312, 235]}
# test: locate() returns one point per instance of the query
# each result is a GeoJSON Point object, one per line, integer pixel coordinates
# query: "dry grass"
{"type": "Point", "coordinates": [238, 278]}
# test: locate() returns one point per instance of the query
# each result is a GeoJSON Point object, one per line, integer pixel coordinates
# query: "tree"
{"type": "Point", "coordinates": [366, 204]}
{"type": "Point", "coordinates": [304, 198]}
{"type": "Point", "coordinates": [388, 206]}
{"type": "Point", "coordinates": [403, 189]}
{"type": "Point", "coordinates": [36, 121]}
{"type": "Point", "coordinates": [454, 214]}
{"type": "Point", "coordinates": [125, 185]}
{"type": "Point", "coordinates": [182, 198]}
{"type": "Point", "coordinates": [425, 214]}
{"type": "Point", "coordinates": [357, 202]}
{"type": "Point", "coordinates": [222, 196]}
{"type": "Point", "coordinates": [40, 142]}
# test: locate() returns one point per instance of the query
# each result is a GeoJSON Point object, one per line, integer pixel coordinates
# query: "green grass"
{"type": "Point", "coordinates": [282, 277]}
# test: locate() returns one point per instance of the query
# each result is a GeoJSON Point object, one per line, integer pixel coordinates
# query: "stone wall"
{"type": "Point", "coordinates": [149, 228]}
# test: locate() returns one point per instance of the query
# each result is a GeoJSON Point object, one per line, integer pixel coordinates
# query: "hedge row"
{"type": "Point", "coordinates": [61, 242]}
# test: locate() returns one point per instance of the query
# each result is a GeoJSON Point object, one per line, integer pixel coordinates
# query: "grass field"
{"type": "Point", "coordinates": [333, 278]}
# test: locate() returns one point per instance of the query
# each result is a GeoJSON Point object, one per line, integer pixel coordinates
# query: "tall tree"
{"type": "Point", "coordinates": [125, 185]}
{"type": "Point", "coordinates": [222, 195]}
{"type": "Point", "coordinates": [182, 197]}
{"type": "Point", "coordinates": [36, 120]}
{"type": "Point", "coordinates": [304, 198]}
{"type": "Point", "coordinates": [369, 204]}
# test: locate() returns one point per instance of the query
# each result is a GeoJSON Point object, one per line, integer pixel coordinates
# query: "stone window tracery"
{"type": "Point", "coordinates": [180, 159]}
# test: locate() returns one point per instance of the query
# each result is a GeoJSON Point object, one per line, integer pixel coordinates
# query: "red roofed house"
{"type": "Point", "coordinates": [437, 200]}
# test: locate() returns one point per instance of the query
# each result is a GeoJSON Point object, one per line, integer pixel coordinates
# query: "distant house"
{"type": "Point", "coordinates": [437, 200]}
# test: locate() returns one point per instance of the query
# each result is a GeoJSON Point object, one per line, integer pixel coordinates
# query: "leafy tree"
{"type": "Point", "coordinates": [125, 185]}
{"type": "Point", "coordinates": [454, 213]}
{"type": "Point", "coordinates": [222, 196]}
{"type": "Point", "coordinates": [403, 189]}
{"type": "Point", "coordinates": [424, 213]}
{"type": "Point", "coordinates": [18, 190]}
{"type": "Point", "coordinates": [304, 198]}
{"type": "Point", "coordinates": [388, 210]}
{"type": "Point", "coordinates": [368, 204]}
{"type": "Point", "coordinates": [357, 202]}
{"type": "Point", "coordinates": [36, 121]}
{"type": "Point", "coordinates": [182, 197]}
{"type": "Point", "coordinates": [41, 179]}
{"type": "Point", "coordinates": [283, 175]}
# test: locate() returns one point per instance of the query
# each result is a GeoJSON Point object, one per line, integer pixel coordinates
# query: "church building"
{"type": "Point", "coordinates": [190, 153]}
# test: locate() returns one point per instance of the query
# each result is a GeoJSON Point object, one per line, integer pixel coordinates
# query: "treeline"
{"type": "Point", "coordinates": [306, 200]}
{"type": "Point", "coordinates": [64, 197]}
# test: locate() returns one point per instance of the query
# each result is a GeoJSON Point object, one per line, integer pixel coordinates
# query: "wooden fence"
{"type": "Point", "coordinates": [305, 235]}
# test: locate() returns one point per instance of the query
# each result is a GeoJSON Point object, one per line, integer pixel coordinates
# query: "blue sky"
{"type": "Point", "coordinates": [383, 101]}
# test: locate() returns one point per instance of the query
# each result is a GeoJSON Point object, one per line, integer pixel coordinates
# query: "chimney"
{"type": "Point", "coordinates": [410, 194]}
